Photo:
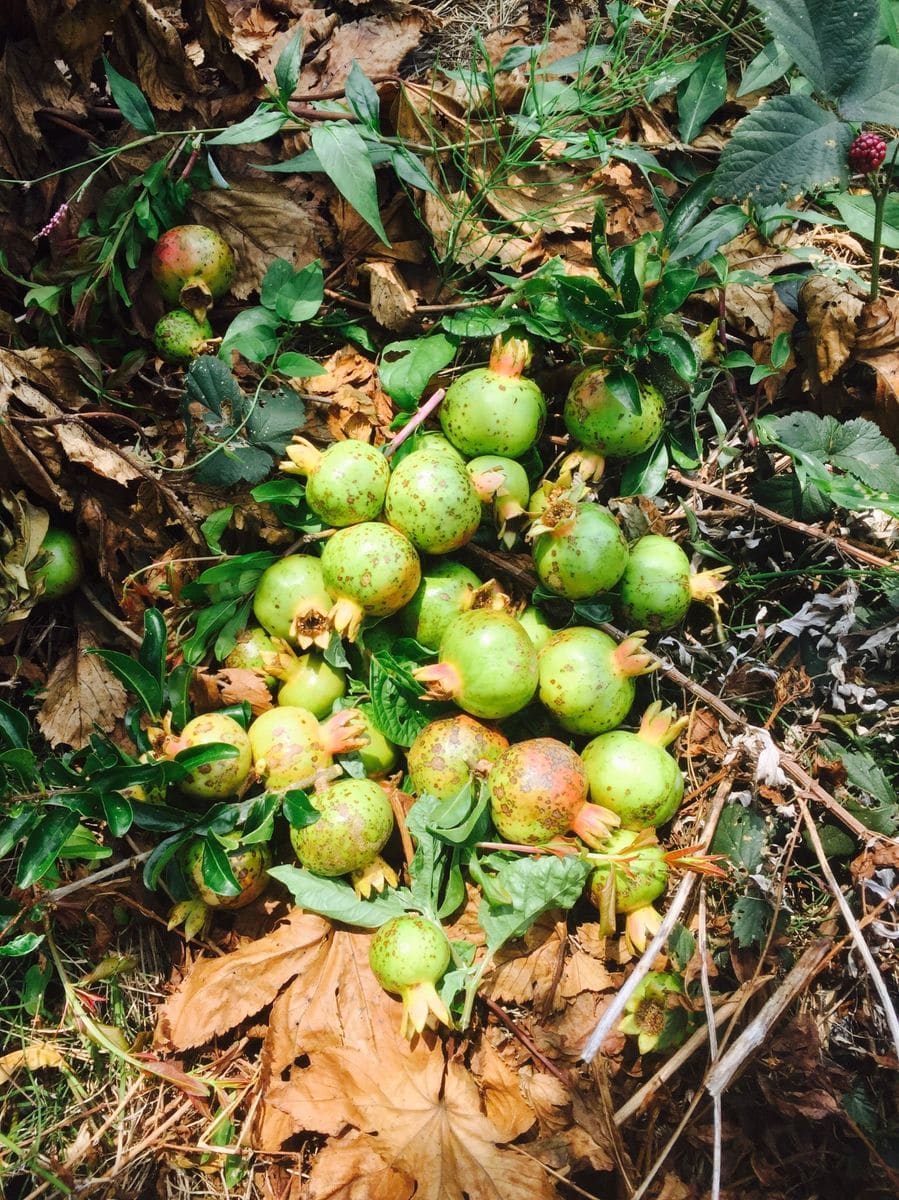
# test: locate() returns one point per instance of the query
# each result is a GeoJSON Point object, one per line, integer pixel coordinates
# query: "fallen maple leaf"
{"type": "Point", "coordinates": [349, 1169]}
{"type": "Point", "coordinates": [505, 1105]}
{"type": "Point", "coordinates": [219, 993]}
{"type": "Point", "coordinates": [81, 696]}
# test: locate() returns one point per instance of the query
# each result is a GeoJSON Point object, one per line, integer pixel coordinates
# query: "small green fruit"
{"type": "Point", "coordinates": [180, 338]}
{"type": "Point", "coordinates": [64, 568]}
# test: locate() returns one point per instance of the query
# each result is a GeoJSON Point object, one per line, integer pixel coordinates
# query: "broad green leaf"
{"type": "Point", "coordinates": [298, 809]}
{"type": "Point", "coordinates": [23, 944]}
{"type": "Point", "coordinates": [276, 417]}
{"type": "Point", "coordinates": [336, 900]}
{"type": "Point", "coordinates": [688, 209]}
{"type": "Point", "coordinates": [624, 387]}
{"type": "Point", "coordinates": [678, 350]}
{"type": "Point", "coordinates": [586, 303]}
{"type": "Point", "coordinates": [44, 844]}
{"type": "Point", "coordinates": [770, 64]}
{"type": "Point", "coordinates": [363, 98]}
{"type": "Point", "coordinates": [130, 99]}
{"type": "Point", "coordinates": [410, 169]}
{"type": "Point", "coordinates": [699, 243]}
{"type": "Point", "coordinates": [787, 146]}
{"type": "Point", "coordinates": [298, 366]}
{"type": "Point", "coordinates": [398, 711]}
{"type": "Point", "coordinates": [235, 461]}
{"type": "Point", "coordinates": [828, 41]}
{"type": "Point", "coordinates": [345, 160]}
{"type": "Point", "coordinates": [703, 93]}
{"type": "Point", "coordinates": [152, 653]}
{"type": "Point", "coordinates": [750, 919]}
{"type": "Point", "coordinates": [857, 210]}
{"type": "Point", "coordinates": [406, 367]}
{"type": "Point", "coordinates": [215, 525]}
{"type": "Point", "coordinates": [742, 836]}
{"type": "Point", "coordinates": [287, 68]}
{"type": "Point", "coordinates": [478, 322]}
{"type": "Point", "coordinates": [135, 677]}
{"type": "Point", "coordinates": [645, 475]}
{"type": "Point", "coordinates": [300, 297]}
{"type": "Point", "coordinates": [118, 813]}
{"type": "Point", "coordinates": [161, 857]}
{"type": "Point", "coordinates": [252, 333]}
{"type": "Point", "coordinates": [211, 384]}
{"type": "Point", "coordinates": [279, 273]}
{"type": "Point", "coordinates": [671, 291]}
{"type": "Point", "coordinates": [257, 127]}
{"type": "Point", "coordinates": [856, 447]}
{"type": "Point", "coordinates": [533, 885]}
{"type": "Point", "coordinates": [15, 828]}
{"type": "Point", "coordinates": [14, 727]}
{"type": "Point", "coordinates": [873, 96]}
{"type": "Point", "coordinates": [668, 78]}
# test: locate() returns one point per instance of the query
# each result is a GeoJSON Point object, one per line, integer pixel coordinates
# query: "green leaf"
{"type": "Point", "coordinates": [785, 147]}
{"type": "Point", "coordinates": [152, 653]}
{"type": "Point", "coordinates": [44, 844]}
{"type": "Point", "coordinates": [599, 245]}
{"type": "Point", "coordinates": [287, 68]}
{"type": "Point", "coordinates": [410, 169]}
{"type": "Point", "coordinates": [624, 387]}
{"type": "Point", "coordinates": [216, 867]}
{"type": "Point", "coordinates": [130, 99]}
{"type": "Point", "coordinates": [770, 64]}
{"type": "Point", "coordinates": [300, 297]}
{"type": "Point", "coordinates": [678, 350]}
{"type": "Point", "coordinates": [337, 901]}
{"type": "Point", "coordinates": [215, 525]}
{"type": "Point", "coordinates": [856, 447]}
{"type": "Point", "coordinates": [479, 322]}
{"type": "Point", "coordinates": [681, 946]}
{"type": "Point", "coordinates": [261, 124]}
{"type": "Point", "coordinates": [14, 727]}
{"type": "Point", "coordinates": [742, 836]}
{"type": "Point", "coordinates": [645, 475]}
{"type": "Point", "coordinates": [668, 79]}
{"type": "Point", "coordinates": [750, 919]}
{"type": "Point", "coordinates": [210, 383]}
{"type": "Point", "coordinates": [298, 366]}
{"type": "Point", "coordinates": [688, 209]}
{"type": "Point", "coordinates": [345, 160]}
{"type": "Point", "coordinates": [362, 98]}
{"type": "Point", "coordinates": [135, 677]}
{"type": "Point", "coordinates": [252, 333]}
{"type": "Point", "coordinates": [699, 243]}
{"type": "Point", "coordinates": [588, 304]}
{"type": "Point", "coordinates": [406, 367]}
{"type": "Point", "coordinates": [118, 814]}
{"type": "Point", "coordinates": [857, 210]}
{"type": "Point", "coordinates": [398, 712]}
{"type": "Point", "coordinates": [23, 944]}
{"type": "Point", "coordinates": [672, 290]}
{"type": "Point", "coordinates": [299, 810]}
{"type": "Point", "coordinates": [703, 93]}
{"type": "Point", "coordinates": [828, 42]}
{"type": "Point", "coordinates": [533, 885]}
{"type": "Point", "coordinates": [274, 420]}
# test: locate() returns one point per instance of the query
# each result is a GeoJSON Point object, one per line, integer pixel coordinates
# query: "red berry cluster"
{"type": "Point", "coordinates": [867, 152]}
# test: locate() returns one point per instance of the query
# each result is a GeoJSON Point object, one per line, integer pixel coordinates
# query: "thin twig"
{"type": "Point", "coordinates": [535, 1053]}
{"type": "Point", "coordinates": [95, 877]}
{"type": "Point", "coordinates": [431, 405]}
{"type": "Point", "coordinates": [104, 612]}
{"type": "Point", "coordinates": [713, 1040]}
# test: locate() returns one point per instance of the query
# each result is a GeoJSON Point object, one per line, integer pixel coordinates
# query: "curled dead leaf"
{"type": "Point", "coordinates": [81, 696]}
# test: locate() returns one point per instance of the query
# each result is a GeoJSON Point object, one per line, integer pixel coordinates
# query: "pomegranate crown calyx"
{"type": "Point", "coordinates": [630, 658]}
{"type": "Point", "coordinates": [510, 357]}
{"type": "Point", "coordinates": [581, 466]}
{"type": "Point", "coordinates": [302, 458]}
{"type": "Point", "coordinates": [441, 681]}
{"type": "Point", "coordinates": [345, 730]}
{"type": "Point", "coordinates": [705, 586]}
{"type": "Point", "coordinates": [660, 726]}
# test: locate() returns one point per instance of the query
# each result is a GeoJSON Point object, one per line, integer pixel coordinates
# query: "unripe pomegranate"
{"type": "Point", "coordinates": [446, 754]}
{"type": "Point", "coordinates": [657, 587]}
{"type": "Point", "coordinates": [250, 648]}
{"type": "Point", "coordinates": [502, 484]}
{"type": "Point", "coordinates": [536, 626]}
{"type": "Point", "coordinates": [631, 774]}
{"type": "Point", "coordinates": [62, 566]}
{"type": "Point", "coordinates": [431, 500]}
{"type": "Point", "coordinates": [346, 483]}
{"type": "Point", "coordinates": [377, 755]}
{"type": "Point", "coordinates": [492, 410]}
{"type": "Point", "coordinates": [308, 680]}
{"type": "Point", "coordinates": [408, 956]}
{"type": "Point", "coordinates": [249, 865]}
{"type": "Point", "coordinates": [292, 602]}
{"type": "Point", "coordinates": [371, 570]}
{"type": "Point", "coordinates": [446, 590]}
{"type": "Point", "coordinates": [355, 821]}
{"type": "Point", "coordinates": [488, 665]}
{"type": "Point", "coordinates": [290, 747]}
{"type": "Point", "coordinates": [435, 443]}
{"type": "Point", "coordinates": [631, 873]}
{"type": "Point", "coordinates": [538, 791]}
{"type": "Point", "coordinates": [587, 679]}
{"type": "Point", "coordinates": [192, 266]}
{"type": "Point", "coordinates": [179, 337]}
{"type": "Point", "coordinates": [596, 418]}
{"type": "Point", "coordinates": [213, 780]}
{"type": "Point", "coordinates": [579, 550]}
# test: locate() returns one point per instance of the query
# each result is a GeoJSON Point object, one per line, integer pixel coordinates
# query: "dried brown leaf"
{"type": "Point", "coordinates": [82, 695]}
{"type": "Point", "coordinates": [32, 1057]}
{"type": "Point", "coordinates": [379, 44]}
{"type": "Point", "coordinates": [260, 222]}
{"type": "Point", "coordinates": [231, 685]}
{"type": "Point", "coordinates": [526, 971]}
{"type": "Point", "coordinates": [392, 301]}
{"type": "Point", "coordinates": [219, 993]}
{"type": "Point", "coordinates": [830, 312]}
{"type": "Point", "coordinates": [348, 1168]}
{"type": "Point", "coordinates": [505, 1106]}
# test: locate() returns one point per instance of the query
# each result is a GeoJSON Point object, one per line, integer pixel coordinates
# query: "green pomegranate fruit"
{"type": "Point", "coordinates": [433, 442]}
{"type": "Point", "coordinates": [631, 872]}
{"type": "Point", "coordinates": [378, 755]}
{"type": "Point", "coordinates": [249, 865]}
{"type": "Point", "coordinates": [213, 780]}
{"type": "Point", "coordinates": [250, 648]}
{"type": "Point", "coordinates": [535, 626]}
{"type": "Point", "coordinates": [292, 602]}
{"type": "Point", "coordinates": [587, 679]}
{"type": "Point", "coordinates": [538, 791]}
{"type": "Point", "coordinates": [355, 821]}
{"type": "Point", "coordinates": [408, 956]}
{"type": "Point", "coordinates": [308, 680]}
{"type": "Point", "coordinates": [492, 410]}
{"type": "Point", "coordinates": [488, 665]}
{"type": "Point", "coordinates": [180, 337]}
{"type": "Point", "coordinates": [579, 549]}
{"type": "Point", "coordinates": [447, 589]}
{"type": "Point", "coordinates": [63, 567]}
{"type": "Point", "coordinates": [192, 266]}
{"type": "Point", "coordinates": [431, 500]}
{"type": "Point", "coordinates": [446, 754]}
{"type": "Point", "coordinates": [657, 586]}
{"type": "Point", "coordinates": [596, 418]}
{"type": "Point", "coordinates": [291, 748]}
{"type": "Point", "coordinates": [502, 484]}
{"type": "Point", "coordinates": [370, 570]}
{"type": "Point", "coordinates": [631, 773]}
{"type": "Point", "coordinates": [347, 483]}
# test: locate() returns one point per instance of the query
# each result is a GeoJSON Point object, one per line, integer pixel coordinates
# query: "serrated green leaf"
{"type": "Point", "coordinates": [337, 901]}
{"type": "Point", "coordinates": [130, 99]}
{"type": "Point", "coordinates": [827, 41]}
{"type": "Point", "coordinates": [398, 712]}
{"type": "Point", "coordinates": [750, 919]}
{"type": "Point", "coordinates": [533, 885]}
{"type": "Point", "coordinates": [702, 93]}
{"type": "Point", "coordinates": [787, 146]}
{"type": "Point", "coordinates": [210, 383]}
{"type": "Point", "coordinates": [856, 447]}
{"type": "Point", "coordinates": [742, 836]}
{"type": "Point", "coordinates": [345, 160]}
